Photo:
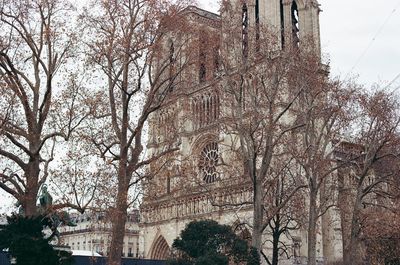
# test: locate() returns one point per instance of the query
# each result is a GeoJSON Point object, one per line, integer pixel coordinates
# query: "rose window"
{"type": "Point", "coordinates": [208, 162]}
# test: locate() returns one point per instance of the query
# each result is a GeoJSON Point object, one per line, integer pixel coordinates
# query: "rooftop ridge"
{"type": "Point", "coordinates": [202, 12]}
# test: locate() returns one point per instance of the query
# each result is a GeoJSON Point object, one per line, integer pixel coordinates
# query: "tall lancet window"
{"type": "Point", "coordinates": [295, 24]}
{"type": "Point", "coordinates": [282, 12]}
{"type": "Point", "coordinates": [257, 16]}
{"type": "Point", "coordinates": [171, 52]}
{"type": "Point", "coordinates": [171, 64]}
{"type": "Point", "coordinates": [245, 31]}
{"type": "Point", "coordinates": [202, 58]}
{"type": "Point", "coordinates": [217, 59]}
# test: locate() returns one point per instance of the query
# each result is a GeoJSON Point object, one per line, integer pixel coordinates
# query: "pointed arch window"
{"type": "Point", "coordinates": [171, 52]}
{"type": "Point", "coordinates": [205, 109]}
{"type": "Point", "coordinates": [217, 59]}
{"type": "Point", "coordinates": [257, 16]}
{"type": "Point", "coordinates": [245, 31]}
{"type": "Point", "coordinates": [166, 129]}
{"type": "Point", "coordinates": [168, 184]}
{"type": "Point", "coordinates": [160, 249]}
{"type": "Point", "coordinates": [202, 58]}
{"type": "Point", "coordinates": [171, 64]}
{"type": "Point", "coordinates": [282, 12]}
{"type": "Point", "coordinates": [295, 24]}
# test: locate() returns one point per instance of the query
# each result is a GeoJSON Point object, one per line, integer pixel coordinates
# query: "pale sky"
{"type": "Point", "coordinates": [348, 28]}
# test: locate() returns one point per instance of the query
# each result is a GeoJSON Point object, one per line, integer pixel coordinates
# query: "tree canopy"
{"type": "Point", "coordinates": [207, 242]}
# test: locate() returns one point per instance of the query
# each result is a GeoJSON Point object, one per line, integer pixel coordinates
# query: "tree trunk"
{"type": "Point", "coordinates": [353, 252]}
{"type": "Point", "coordinates": [118, 220]}
{"type": "Point", "coordinates": [258, 216]}
{"type": "Point", "coordinates": [28, 202]}
{"type": "Point", "coordinates": [275, 244]}
{"type": "Point", "coordinates": [312, 228]}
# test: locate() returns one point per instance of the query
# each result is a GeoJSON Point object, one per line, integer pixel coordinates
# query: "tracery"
{"type": "Point", "coordinates": [208, 162]}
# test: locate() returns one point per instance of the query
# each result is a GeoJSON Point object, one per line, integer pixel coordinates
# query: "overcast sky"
{"type": "Point", "coordinates": [348, 28]}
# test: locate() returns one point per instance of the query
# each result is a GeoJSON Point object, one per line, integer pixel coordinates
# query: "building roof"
{"type": "Point", "coordinates": [85, 253]}
{"type": "Point", "coordinates": [202, 12]}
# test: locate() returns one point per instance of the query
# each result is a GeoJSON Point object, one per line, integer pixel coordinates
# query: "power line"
{"type": "Point", "coordinates": [392, 82]}
{"type": "Point", "coordinates": [394, 90]}
{"type": "Point", "coordinates": [375, 37]}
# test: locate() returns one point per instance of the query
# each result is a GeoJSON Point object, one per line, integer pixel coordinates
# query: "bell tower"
{"type": "Point", "coordinates": [299, 20]}
{"type": "Point", "coordinates": [293, 21]}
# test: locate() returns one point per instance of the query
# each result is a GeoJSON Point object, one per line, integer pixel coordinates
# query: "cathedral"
{"type": "Point", "coordinates": [200, 180]}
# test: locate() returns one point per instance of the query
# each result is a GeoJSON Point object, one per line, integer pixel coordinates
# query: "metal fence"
{"type": "Point", "coordinates": [81, 260]}
{"type": "Point", "coordinates": [300, 261]}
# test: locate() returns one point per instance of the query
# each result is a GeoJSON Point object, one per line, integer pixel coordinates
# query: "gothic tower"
{"type": "Point", "coordinates": [194, 181]}
{"type": "Point", "coordinates": [247, 25]}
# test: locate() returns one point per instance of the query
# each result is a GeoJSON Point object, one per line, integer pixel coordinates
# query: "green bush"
{"type": "Point", "coordinates": [25, 241]}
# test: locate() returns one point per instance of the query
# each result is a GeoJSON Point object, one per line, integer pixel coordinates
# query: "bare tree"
{"type": "Point", "coordinates": [138, 74]}
{"type": "Point", "coordinates": [36, 43]}
{"type": "Point", "coordinates": [283, 107]}
{"type": "Point", "coordinates": [285, 222]}
{"type": "Point", "coordinates": [260, 98]}
{"type": "Point", "coordinates": [79, 177]}
{"type": "Point", "coordinates": [373, 167]}
{"type": "Point", "coordinates": [324, 110]}
{"type": "Point", "coordinates": [381, 236]}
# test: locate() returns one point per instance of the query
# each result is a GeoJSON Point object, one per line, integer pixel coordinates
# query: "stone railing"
{"type": "Point", "coordinates": [193, 205]}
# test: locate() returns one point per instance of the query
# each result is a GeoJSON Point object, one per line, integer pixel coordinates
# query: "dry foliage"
{"type": "Point", "coordinates": [40, 94]}
{"type": "Point", "coordinates": [127, 48]}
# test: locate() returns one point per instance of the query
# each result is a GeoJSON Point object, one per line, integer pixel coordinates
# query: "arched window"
{"type": "Point", "coordinates": [171, 51]}
{"type": "Point", "coordinates": [243, 95]}
{"type": "Point", "coordinates": [202, 68]}
{"type": "Point", "coordinates": [216, 59]}
{"type": "Point", "coordinates": [166, 128]}
{"type": "Point", "coordinates": [208, 162]}
{"type": "Point", "coordinates": [257, 16]}
{"type": "Point", "coordinates": [216, 107]}
{"type": "Point", "coordinates": [295, 23]}
{"type": "Point", "coordinates": [282, 12]}
{"type": "Point", "coordinates": [160, 249]}
{"type": "Point", "coordinates": [195, 113]}
{"type": "Point", "coordinates": [205, 109]}
{"type": "Point", "coordinates": [245, 31]}
{"type": "Point", "coordinates": [296, 247]}
{"type": "Point", "coordinates": [168, 184]}
{"type": "Point", "coordinates": [171, 57]}
{"type": "Point", "coordinates": [208, 107]}
{"type": "Point", "coordinates": [202, 57]}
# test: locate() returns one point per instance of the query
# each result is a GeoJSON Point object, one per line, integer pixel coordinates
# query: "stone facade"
{"type": "Point", "coordinates": [192, 184]}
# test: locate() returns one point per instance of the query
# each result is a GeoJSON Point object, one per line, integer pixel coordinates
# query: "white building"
{"type": "Point", "coordinates": [93, 233]}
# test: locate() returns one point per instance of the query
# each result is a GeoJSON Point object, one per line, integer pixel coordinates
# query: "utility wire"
{"type": "Point", "coordinates": [391, 83]}
{"type": "Point", "coordinates": [394, 90]}
{"type": "Point", "coordinates": [374, 38]}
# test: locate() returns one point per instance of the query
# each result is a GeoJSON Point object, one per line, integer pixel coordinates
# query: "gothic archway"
{"type": "Point", "coordinates": [160, 249]}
